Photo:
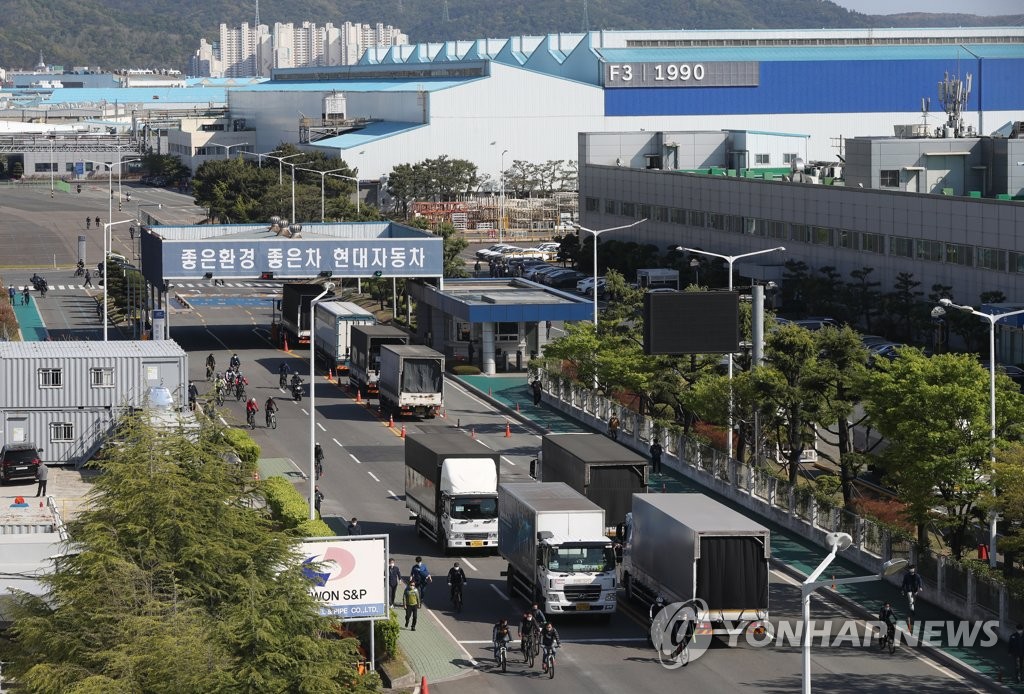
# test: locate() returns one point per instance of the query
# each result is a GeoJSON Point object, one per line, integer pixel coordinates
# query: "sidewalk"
{"type": "Point", "coordinates": [29, 320]}
{"type": "Point", "coordinates": [990, 665]}
{"type": "Point", "coordinates": [431, 650]}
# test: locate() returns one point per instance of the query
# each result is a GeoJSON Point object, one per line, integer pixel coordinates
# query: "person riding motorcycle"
{"type": "Point", "coordinates": [528, 629]}
{"type": "Point", "coordinates": [296, 386]}
{"type": "Point", "coordinates": [500, 635]}
{"type": "Point", "coordinates": [269, 407]}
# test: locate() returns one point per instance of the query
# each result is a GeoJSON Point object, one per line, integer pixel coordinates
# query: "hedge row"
{"type": "Point", "coordinates": [291, 510]}
{"type": "Point", "coordinates": [247, 449]}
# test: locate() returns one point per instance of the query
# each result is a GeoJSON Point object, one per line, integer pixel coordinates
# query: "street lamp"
{"type": "Point", "coordinates": [356, 181]}
{"type": "Point", "coordinates": [227, 148]}
{"type": "Point", "coordinates": [596, 233]}
{"type": "Point", "coordinates": [323, 175]}
{"type": "Point", "coordinates": [838, 542]}
{"type": "Point", "coordinates": [501, 216]}
{"type": "Point", "coordinates": [695, 266]}
{"type": "Point", "coordinates": [992, 319]}
{"type": "Point", "coordinates": [730, 259]}
{"type": "Point", "coordinates": [328, 288]}
{"type": "Point", "coordinates": [106, 277]}
{"type": "Point", "coordinates": [280, 168]}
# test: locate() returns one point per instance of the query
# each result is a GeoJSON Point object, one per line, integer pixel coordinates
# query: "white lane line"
{"type": "Point", "coordinates": [222, 420]}
{"type": "Point", "coordinates": [321, 426]}
{"type": "Point", "coordinates": [508, 461]}
{"type": "Point", "coordinates": [484, 445]}
{"type": "Point", "coordinates": [375, 478]}
{"type": "Point", "coordinates": [303, 409]}
{"type": "Point", "coordinates": [355, 458]}
{"type": "Point", "coordinates": [625, 639]}
{"type": "Point", "coordinates": [393, 495]}
{"type": "Point", "coordinates": [471, 659]}
{"type": "Point", "coordinates": [498, 590]}
{"type": "Point", "coordinates": [337, 442]}
{"type": "Point", "coordinates": [466, 562]}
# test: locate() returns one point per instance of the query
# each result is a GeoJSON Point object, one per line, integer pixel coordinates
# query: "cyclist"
{"type": "Point", "coordinates": [240, 385]}
{"type": "Point", "coordinates": [456, 580]}
{"type": "Point", "coordinates": [529, 630]}
{"type": "Point", "coordinates": [500, 635]}
{"type": "Point", "coordinates": [211, 366]}
{"type": "Point", "coordinates": [549, 640]}
{"type": "Point", "coordinates": [270, 407]}
{"type": "Point", "coordinates": [235, 362]}
{"type": "Point", "coordinates": [538, 615]}
{"type": "Point", "coordinates": [912, 585]}
{"type": "Point", "coordinates": [219, 386]}
{"type": "Point", "coordinates": [251, 408]}
{"type": "Point", "coordinates": [282, 371]}
{"type": "Point", "coordinates": [88, 222]}
{"type": "Point", "coordinates": [888, 618]}
{"type": "Point", "coordinates": [229, 377]}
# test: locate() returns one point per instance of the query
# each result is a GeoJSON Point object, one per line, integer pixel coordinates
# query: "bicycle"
{"type": "Point", "coordinates": [530, 649]}
{"type": "Point", "coordinates": [239, 390]}
{"type": "Point", "coordinates": [272, 420]}
{"type": "Point", "coordinates": [457, 598]}
{"type": "Point", "coordinates": [219, 397]}
{"type": "Point", "coordinates": [503, 656]}
{"type": "Point", "coordinates": [283, 381]}
{"type": "Point", "coordinates": [251, 418]}
{"type": "Point", "coordinates": [549, 661]}
{"type": "Point", "coordinates": [889, 640]}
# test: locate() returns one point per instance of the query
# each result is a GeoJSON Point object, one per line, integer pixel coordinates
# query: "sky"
{"type": "Point", "coordinates": [979, 7]}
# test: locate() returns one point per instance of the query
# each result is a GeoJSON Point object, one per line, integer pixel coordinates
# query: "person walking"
{"type": "Point", "coordinates": [394, 578]}
{"type": "Point", "coordinates": [538, 389]}
{"type": "Point", "coordinates": [421, 574]}
{"type": "Point", "coordinates": [11, 293]}
{"type": "Point", "coordinates": [613, 427]}
{"type": "Point", "coordinates": [42, 473]}
{"type": "Point", "coordinates": [1017, 651]}
{"type": "Point", "coordinates": [656, 456]}
{"type": "Point", "coordinates": [353, 527]}
{"type": "Point", "coordinates": [24, 295]}
{"type": "Point", "coordinates": [318, 497]}
{"type": "Point", "coordinates": [88, 279]}
{"type": "Point", "coordinates": [412, 603]}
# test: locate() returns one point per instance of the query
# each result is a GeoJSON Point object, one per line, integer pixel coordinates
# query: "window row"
{"type": "Point", "coordinates": [69, 167]}
{"type": "Point", "coordinates": [102, 377]}
{"type": "Point", "coordinates": [866, 242]}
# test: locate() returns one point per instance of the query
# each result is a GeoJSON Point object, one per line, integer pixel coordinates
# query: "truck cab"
{"type": "Point", "coordinates": [579, 573]}
{"type": "Point", "coordinates": [470, 520]}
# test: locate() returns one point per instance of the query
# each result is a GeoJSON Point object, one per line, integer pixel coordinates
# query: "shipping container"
{"type": "Point", "coordinates": [332, 325]}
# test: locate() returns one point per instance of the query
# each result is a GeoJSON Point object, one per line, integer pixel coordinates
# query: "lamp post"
{"type": "Point", "coordinates": [501, 215]}
{"type": "Point", "coordinates": [323, 176]}
{"type": "Point", "coordinates": [280, 168]}
{"type": "Point", "coordinates": [356, 181]}
{"type": "Point", "coordinates": [596, 233]}
{"type": "Point", "coordinates": [838, 542]}
{"type": "Point", "coordinates": [106, 277]}
{"type": "Point", "coordinates": [227, 148]}
{"type": "Point", "coordinates": [730, 259]}
{"type": "Point", "coordinates": [992, 319]}
{"type": "Point", "coordinates": [328, 288]}
{"type": "Point", "coordinates": [695, 266]}
{"type": "Point", "coordinates": [259, 156]}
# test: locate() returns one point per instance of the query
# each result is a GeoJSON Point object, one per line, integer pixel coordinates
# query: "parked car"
{"type": "Point", "coordinates": [813, 324]}
{"type": "Point", "coordinates": [537, 271]}
{"type": "Point", "coordinates": [565, 280]}
{"type": "Point", "coordinates": [491, 251]}
{"type": "Point", "coordinates": [1015, 373]}
{"type": "Point", "coordinates": [883, 350]}
{"type": "Point", "coordinates": [18, 461]}
{"type": "Point", "coordinates": [584, 285]}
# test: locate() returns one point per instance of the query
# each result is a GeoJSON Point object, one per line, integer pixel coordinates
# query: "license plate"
{"type": "Point", "coordinates": [476, 543]}
{"type": "Point", "coordinates": [21, 467]}
{"type": "Point", "coordinates": [582, 606]}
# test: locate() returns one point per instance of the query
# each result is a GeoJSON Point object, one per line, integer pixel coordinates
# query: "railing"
{"type": "Point", "coordinates": [953, 587]}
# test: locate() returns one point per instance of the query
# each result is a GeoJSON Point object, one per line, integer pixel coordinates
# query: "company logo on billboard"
{"type": "Point", "coordinates": [338, 562]}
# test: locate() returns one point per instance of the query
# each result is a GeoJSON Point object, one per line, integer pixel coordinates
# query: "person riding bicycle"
{"type": "Point", "coordinates": [80, 268]}
{"type": "Point", "coordinates": [549, 639]}
{"type": "Point", "coordinates": [282, 371]}
{"type": "Point", "coordinates": [538, 615]}
{"type": "Point", "coordinates": [239, 385]}
{"type": "Point", "coordinates": [251, 408]}
{"type": "Point", "coordinates": [88, 222]}
{"type": "Point", "coordinates": [912, 585]}
{"type": "Point", "coordinates": [219, 385]}
{"type": "Point", "coordinates": [456, 580]}
{"type": "Point", "coordinates": [529, 631]}
{"type": "Point", "coordinates": [229, 377]}
{"type": "Point", "coordinates": [235, 362]}
{"type": "Point", "coordinates": [501, 634]}
{"type": "Point", "coordinates": [211, 365]}
{"type": "Point", "coordinates": [270, 407]}
{"type": "Point", "coordinates": [887, 617]}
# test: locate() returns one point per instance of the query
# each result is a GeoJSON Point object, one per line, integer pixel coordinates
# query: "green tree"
{"type": "Point", "coordinates": [863, 296]}
{"type": "Point", "coordinates": [1009, 503]}
{"type": "Point", "coordinates": [934, 415]}
{"type": "Point", "coordinates": [177, 583]}
{"type": "Point", "coordinates": [454, 244]}
{"type": "Point", "coordinates": [904, 305]}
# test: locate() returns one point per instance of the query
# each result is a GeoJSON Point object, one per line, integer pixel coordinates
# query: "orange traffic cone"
{"type": "Point", "coordinates": [508, 430]}
{"type": "Point", "coordinates": [391, 421]}
{"type": "Point", "coordinates": [359, 397]}
{"type": "Point", "coordinates": [472, 433]}
{"type": "Point", "coordinates": [423, 686]}
{"type": "Point", "coordinates": [330, 374]}
{"type": "Point", "coordinates": [286, 343]}
{"type": "Point", "coordinates": [403, 431]}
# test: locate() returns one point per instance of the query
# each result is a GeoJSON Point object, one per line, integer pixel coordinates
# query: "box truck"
{"type": "Point", "coordinates": [606, 472]}
{"type": "Point", "coordinates": [411, 380]}
{"type": "Point", "coordinates": [295, 300]}
{"type": "Point", "coordinates": [689, 548]}
{"type": "Point", "coordinates": [332, 326]}
{"type": "Point", "coordinates": [364, 363]}
{"type": "Point", "coordinates": [553, 540]}
{"type": "Point", "coordinates": [451, 490]}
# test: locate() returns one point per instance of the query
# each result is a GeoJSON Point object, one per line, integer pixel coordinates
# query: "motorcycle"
{"type": "Point", "coordinates": [40, 284]}
{"type": "Point", "coordinates": [297, 392]}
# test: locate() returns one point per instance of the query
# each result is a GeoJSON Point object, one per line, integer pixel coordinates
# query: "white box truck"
{"type": "Point", "coordinates": [451, 489]}
{"type": "Point", "coordinates": [411, 380]}
{"type": "Point", "coordinates": [689, 547]}
{"type": "Point", "coordinates": [332, 326]}
{"type": "Point", "coordinates": [553, 540]}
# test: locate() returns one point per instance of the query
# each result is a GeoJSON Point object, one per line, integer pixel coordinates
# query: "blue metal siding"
{"type": "Point", "coordinates": [815, 87]}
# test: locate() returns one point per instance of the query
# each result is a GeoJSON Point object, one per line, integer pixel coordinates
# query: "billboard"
{"type": "Point", "coordinates": [691, 323]}
{"type": "Point", "coordinates": [349, 575]}
{"type": "Point", "coordinates": [226, 258]}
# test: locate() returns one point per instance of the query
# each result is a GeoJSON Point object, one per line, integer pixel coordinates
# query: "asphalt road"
{"type": "Point", "coordinates": [364, 478]}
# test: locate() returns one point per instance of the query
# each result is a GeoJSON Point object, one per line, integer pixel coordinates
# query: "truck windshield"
{"type": "Point", "coordinates": [474, 509]}
{"type": "Point", "coordinates": [576, 559]}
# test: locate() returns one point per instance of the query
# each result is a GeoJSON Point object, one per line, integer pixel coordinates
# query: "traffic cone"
{"type": "Point", "coordinates": [359, 397]}
{"type": "Point", "coordinates": [286, 343]}
{"type": "Point", "coordinates": [391, 421]}
{"type": "Point", "coordinates": [403, 431]}
{"type": "Point", "coordinates": [330, 374]}
{"type": "Point", "coordinates": [508, 430]}
{"type": "Point", "coordinates": [423, 686]}
{"type": "Point", "coordinates": [472, 433]}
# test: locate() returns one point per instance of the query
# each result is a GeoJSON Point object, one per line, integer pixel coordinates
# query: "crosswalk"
{"type": "Point", "coordinates": [180, 285]}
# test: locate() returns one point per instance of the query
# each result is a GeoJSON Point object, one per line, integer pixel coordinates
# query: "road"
{"type": "Point", "coordinates": [364, 478]}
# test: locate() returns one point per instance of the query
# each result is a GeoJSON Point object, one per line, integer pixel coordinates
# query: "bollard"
{"type": "Point", "coordinates": [458, 423]}
{"type": "Point", "coordinates": [488, 391]}
{"type": "Point", "coordinates": [403, 431]}
{"type": "Point", "coordinates": [472, 433]}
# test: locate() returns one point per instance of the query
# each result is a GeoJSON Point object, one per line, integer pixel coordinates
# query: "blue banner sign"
{"type": "Point", "coordinates": [398, 257]}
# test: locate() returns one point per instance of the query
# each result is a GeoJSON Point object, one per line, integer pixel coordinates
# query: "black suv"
{"type": "Point", "coordinates": [18, 460]}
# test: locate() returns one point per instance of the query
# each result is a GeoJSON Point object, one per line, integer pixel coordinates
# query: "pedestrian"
{"type": "Point", "coordinates": [471, 350]}
{"type": "Point", "coordinates": [193, 395]}
{"type": "Point", "coordinates": [318, 497]}
{"type": "Point", "coordinates": [394, 578]}
{"type": "Point", "coordinates": [1017, 651]}
{"type": "Point", "coordinates": [11, 292]}
{"type": "Point", "coordinates": [88, 279]}
{"type": "Point", "coordinates": [353, 527]}
{"type": "Point", "coordinates": [547, 326]}
{"type": "Point", "coordinates": [537, 390]}
{"type": "Point", "coordinates": [131, 231]}
{"type": "Point", "coordinates": [42, 472]}
{"type": "Point", "coordinates": [421, 574]}
{"type": "Point", "coordinates": [656, 456]}
{"type": "Point", "coordinates": [476, 269]}
{"type": "Point", "coordinates": [24, 295]}
{"type": "Point", "coordinates": [412, 603]}
{"type": "Point", "coordinates": [613, 427]}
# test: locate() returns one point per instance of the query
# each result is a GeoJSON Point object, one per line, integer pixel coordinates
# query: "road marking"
{"type": "Point", "coordinates": [472, 661]}
{"type": "Point", "coordinates": [222, 420]}
{"type": "Point", "coordinates": [375, 478]}
{"type": "Point", "coordinates": [214, 336]}
{"type": "Point", "coordinates": [339, 443]}
{"type": "Point", "coordinates": [354, 458]}
{"type": "Point", "coordinates": [321, 426]}
{"type": "Point", "coordinates": [627, 639]}
{"type": "Point", "coordinates": [498, 590]}
{"type": "Point", "coordinates": [393, 495]}
{"type": "Point", "coordinates": [508, 461]}
{"type": "Point", "coordinates": [303, 409]}
{"type": "Point", "coordinates": [484, 445]}
{"type": "Point", "coordinates": [466, 562]}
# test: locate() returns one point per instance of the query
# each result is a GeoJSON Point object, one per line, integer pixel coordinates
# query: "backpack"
{"type": "Point", "coordinates": [412, 598]}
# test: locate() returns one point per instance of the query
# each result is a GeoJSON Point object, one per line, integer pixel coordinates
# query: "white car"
{"type": "Point", "coordinates": [584, 285]}
{"type": "Point", "coordinates": [491, 252]}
